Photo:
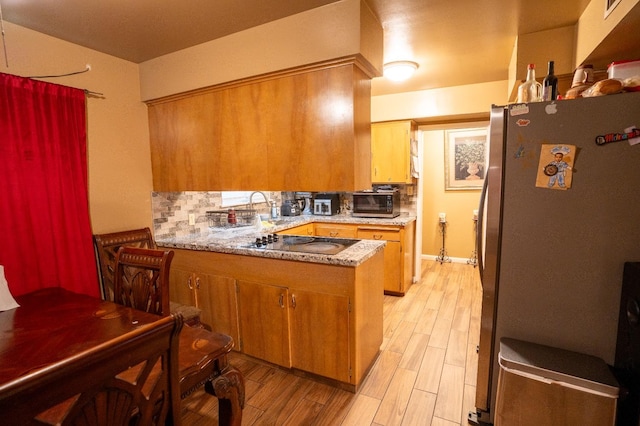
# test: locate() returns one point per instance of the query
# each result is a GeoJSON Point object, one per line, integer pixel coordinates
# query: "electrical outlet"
{"type": "Point", "coordinates": [192, 219]}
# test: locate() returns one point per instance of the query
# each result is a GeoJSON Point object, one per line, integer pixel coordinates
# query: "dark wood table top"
{"type": "Point", "coordinates": [52, 324]}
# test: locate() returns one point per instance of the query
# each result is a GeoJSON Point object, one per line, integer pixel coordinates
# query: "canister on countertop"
{"type": "Point", "coordinates": [231, 217]}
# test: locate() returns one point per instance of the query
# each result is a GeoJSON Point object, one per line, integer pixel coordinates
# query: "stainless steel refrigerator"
{"type": "Point", "coordinates": [552, 258]}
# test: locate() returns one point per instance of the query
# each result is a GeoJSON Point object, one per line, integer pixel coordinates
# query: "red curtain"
{"type": "Point", "coordinates": [45, 230]}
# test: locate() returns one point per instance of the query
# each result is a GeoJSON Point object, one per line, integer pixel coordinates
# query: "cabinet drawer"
{"type": "Point", "coordinates": [336, 231]}
{"type": "Point", "coordinates": [378, 233]}
{"type": "Point", "coordinates": [306, 229]}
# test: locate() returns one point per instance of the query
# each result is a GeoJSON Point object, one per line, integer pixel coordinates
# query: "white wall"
{"type": "Point", "coordinates": [447, 102]}
{"type": "Point", "coordinates": [335, 30]}
{"type": "Point", "coordinates": [593, 27]}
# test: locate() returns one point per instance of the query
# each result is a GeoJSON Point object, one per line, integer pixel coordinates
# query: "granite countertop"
{"type": "Point", "coordinates": [402, 220]}
{"type": "Point", "coordinates": [237, 241]}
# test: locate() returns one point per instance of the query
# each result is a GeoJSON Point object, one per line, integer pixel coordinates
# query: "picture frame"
{"type": "Point", "coordinates": [609, 6]}
{"type": "Point", "coordinates": [466, 154]}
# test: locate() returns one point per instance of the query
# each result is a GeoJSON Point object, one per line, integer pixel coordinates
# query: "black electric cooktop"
{"type": "Point", "coordinates": [302, 244]}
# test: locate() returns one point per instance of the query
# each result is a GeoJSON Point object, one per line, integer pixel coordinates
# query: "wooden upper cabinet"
{"type": "Point", "coordinates": [301, 130]}
{"type": "Point", "coordinates": [201, 143]}
{"type": "Point", "coordinates": [391, 151]}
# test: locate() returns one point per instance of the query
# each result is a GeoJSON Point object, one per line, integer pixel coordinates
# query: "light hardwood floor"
{"type": "Point", "coordinates": [425, 374]}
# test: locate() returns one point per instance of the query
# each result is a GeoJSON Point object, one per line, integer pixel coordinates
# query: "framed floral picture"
{"type": "Point", "coordinates": [465, 158]}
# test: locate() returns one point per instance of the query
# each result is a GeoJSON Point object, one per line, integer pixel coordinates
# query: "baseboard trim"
{"type": "Point", "coordinates": [453, 259]}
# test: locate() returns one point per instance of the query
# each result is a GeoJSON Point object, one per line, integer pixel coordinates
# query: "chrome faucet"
{"type": "Point", "coordinates": [251, 198]}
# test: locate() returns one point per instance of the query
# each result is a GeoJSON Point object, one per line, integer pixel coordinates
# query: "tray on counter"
{"type": "Point", "coordinates": [220, 218]}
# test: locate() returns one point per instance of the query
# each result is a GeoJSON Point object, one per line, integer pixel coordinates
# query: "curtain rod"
{"type": "Point", "coordinates": [87, 69]}
{"type": "Point", "coordinates": [94, 94]}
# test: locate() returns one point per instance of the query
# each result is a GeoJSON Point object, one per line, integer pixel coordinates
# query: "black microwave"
{"type": "Point", "coordinates": [383, 204]}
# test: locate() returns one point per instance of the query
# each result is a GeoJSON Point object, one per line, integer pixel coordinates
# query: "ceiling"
{"type": "Point", "coordinates": [455, 42]}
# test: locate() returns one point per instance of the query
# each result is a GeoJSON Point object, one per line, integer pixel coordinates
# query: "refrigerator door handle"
{"type": "Point", "coordinates": [480, 227]}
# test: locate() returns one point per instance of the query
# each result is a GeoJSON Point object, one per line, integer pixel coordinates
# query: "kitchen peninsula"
{"type": "Point", "coordinates": [315, 313]}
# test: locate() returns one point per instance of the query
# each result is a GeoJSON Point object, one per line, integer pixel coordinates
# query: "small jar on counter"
{"type": "Point", "coordinates": [231, 217]}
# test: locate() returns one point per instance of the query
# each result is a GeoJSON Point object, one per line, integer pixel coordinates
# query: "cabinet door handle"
{"type": "Point", "coordinates": [378, 228]}
{"type": "Point", "coordinates": [189, 284]}
{"type": "Point", "coordinates": [333, 234]}
{"type": "Point", "coordinates": [198, 283]}
{"type": "Point", "coordinates": [281, 301]}
{"type": "Point", "coordinates": [377, 236]}
{"type": "Point", "coordinates": [293, 301]}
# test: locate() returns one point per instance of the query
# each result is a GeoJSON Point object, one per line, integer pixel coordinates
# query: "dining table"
{"type": "Point", "coordinates": [53, 324]}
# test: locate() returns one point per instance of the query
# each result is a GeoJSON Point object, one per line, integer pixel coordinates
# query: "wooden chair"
{"type": "Point", "coordinates": [141, 281]}
{"type": "Point", "coordinates": [107, 246]}
{"type": "Point", "coordinates": [131, 379]}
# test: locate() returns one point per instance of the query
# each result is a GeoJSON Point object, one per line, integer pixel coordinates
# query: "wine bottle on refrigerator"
{"type": "Point", "coordinates": [550, 85]}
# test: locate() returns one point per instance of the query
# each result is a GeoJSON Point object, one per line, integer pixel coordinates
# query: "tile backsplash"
{"type": "Point", "coordinates": [171, 210]}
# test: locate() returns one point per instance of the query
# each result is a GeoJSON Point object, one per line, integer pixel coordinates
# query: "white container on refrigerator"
{"type": "Point", "coordinates": [624, 69]}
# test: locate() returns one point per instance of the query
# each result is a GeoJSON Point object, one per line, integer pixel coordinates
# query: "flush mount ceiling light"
{"type": "Point", "coordinates": [399, 70]}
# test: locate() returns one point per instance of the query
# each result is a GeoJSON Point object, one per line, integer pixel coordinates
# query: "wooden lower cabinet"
{"type": "Point", "coordinates": [214, 294]}
{"type": "Point", "coordinates": [392, 255]}
{"type": "Point", "coordinates": [182, 287]}
{"type": "Point", "coordinates": [306, 229]}
{"type": "Point", "coordinates": [320, 334]}
{"type": "Point", "coordinates": [264, 321]}
{"type": "Point", "coordinates": [317, 318]}
{"type": "Point", "coordinates": [296, 328]}
{"type": "Point", "coordinates": [217, 297]}
{"type": "Point", "coordinates": [335, 230]}
{"type": "Point", "coordinates": [398, 254]}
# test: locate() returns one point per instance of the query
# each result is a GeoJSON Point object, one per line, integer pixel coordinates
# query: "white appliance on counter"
{"type": "Point", "coordinates": [551, 260]}
{"type": "Point", "coordinates": [326, 204]}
